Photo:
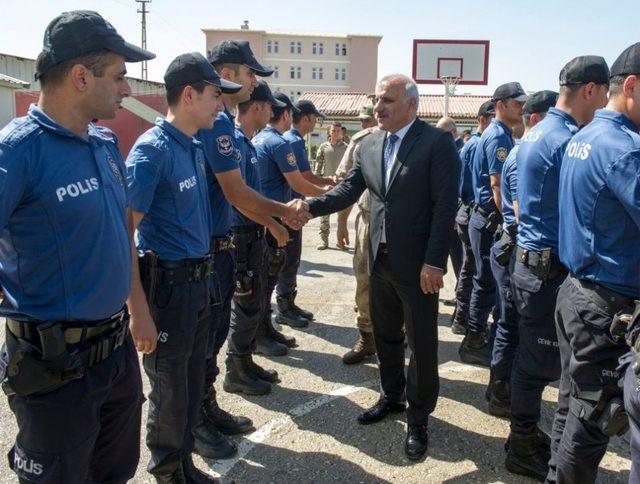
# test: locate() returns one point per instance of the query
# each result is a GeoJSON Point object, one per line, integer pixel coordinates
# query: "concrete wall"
{"type": "Point", "coordinates": [364, 64]}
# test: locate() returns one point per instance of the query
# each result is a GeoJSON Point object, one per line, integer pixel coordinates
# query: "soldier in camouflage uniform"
{"type": "Point", "coordinates": [330, 153]}
{"type": "Point", "coordinates": [364, 346]}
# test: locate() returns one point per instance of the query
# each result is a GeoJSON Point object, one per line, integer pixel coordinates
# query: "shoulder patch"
{"type": "Point", "coordinates": [501, 154]}
{"type": "Point", "coordinates": [291, 159]}
{"type": "Point", "coordinates": [361, 134]}
{"type": "Point", "coordinates": [225, 145]}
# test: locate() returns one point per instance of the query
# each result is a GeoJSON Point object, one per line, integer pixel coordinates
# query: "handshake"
{"type": "Point", "coordinates": [298, 214]}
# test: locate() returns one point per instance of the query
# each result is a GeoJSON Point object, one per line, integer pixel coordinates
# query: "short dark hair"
{"type": "Point", "coordinates": [526, 118]}
{"type": "Point", "coordinates": [615, 85]}
{"type": "Point", "coordinates": [570, 90]}
{"type": "Point", "coordinates": [338, 124]}
{"type": "Point", "coordinates": [277, 114]}
{"type": "Point", "coordinates": [297, 117]}
{"type": "Point", "coordinates": [466, 132]}
{"type": "Point", "coordinates": [174, 93]}
{"type": "Point", "coordinates": [96, 61]}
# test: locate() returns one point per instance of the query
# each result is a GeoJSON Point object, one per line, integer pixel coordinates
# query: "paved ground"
{"type": "Point", "coordinates": [306, 429]}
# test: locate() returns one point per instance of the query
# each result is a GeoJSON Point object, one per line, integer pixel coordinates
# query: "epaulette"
{"type": "Point", "coordinates": [361, 134]}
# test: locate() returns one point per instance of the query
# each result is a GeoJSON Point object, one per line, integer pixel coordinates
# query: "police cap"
{"type": "Point", "coordinates": [540, 102]}
{"type": "Point", "coordinates": [237, 52]}
{"type": "Point", "coordinates": [193, 67]}
{"type": "Point", "coordinates": [487, 108]}
{"type": "Point", "coordinates": [80, 32]}
{"type": "Point", "coordinates": [585, 69]}
{"type": "Point", "coordinates": [307, 107]}
{"type": "Point", "coordinates": [628, 62]}
{"type": "Point", "coordinates": [282, 97]}
{"type": "Point", "coordinates": [262, 92]}
{"type": "Point", "coordinates": [510, 90]}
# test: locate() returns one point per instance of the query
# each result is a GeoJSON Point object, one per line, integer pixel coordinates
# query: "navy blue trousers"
{"type": "Point", "coordinates": [483, 294]}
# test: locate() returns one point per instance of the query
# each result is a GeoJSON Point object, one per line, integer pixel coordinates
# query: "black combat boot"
{"type": "Point", "coordinates": [274, 334]}
{"type": "Point", "coordinates": [177, 477]}
{"type": "Point", "coordinates": [221, 420]}
{"type": "Point", "coordinates": [526, 456]}
{"type": "Point", "coordinates": [209, 443]}
{"type": "Point", "coordinates": [240, 379]}
{"type": "Point", "coordinates": [363, 347]}
{"type": "Point", "coordinates": [266, 344]}
{"type": "Point", "coordinates": [287, 315]}
{"type": "Point", "coordinates": [499, 398]}
{"type": "Point", "coordinates": [459, 322]}
{"type": "Point", "coordinates": [297, 309]}
{"type": "Point", "coordinates": [475, 349]}
{"type": "Point", "coordinates": [267, 375]}
{"type": "Point", "coordinates": [194, 475]}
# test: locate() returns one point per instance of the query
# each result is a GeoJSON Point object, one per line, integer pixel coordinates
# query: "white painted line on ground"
{"type": "Point", "coordinates": [247, 443]}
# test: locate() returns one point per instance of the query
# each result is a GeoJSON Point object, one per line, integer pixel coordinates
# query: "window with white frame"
{"type": "Point", "coordinates": [276, 72]}
{"type": "Point", "coordinates": [314, 73]}
{"type": "Point", "coordinates": [343, 74]}
{"type": "Point", "coordinates": [317, 48]}
{"type": "Point", "coordinates": [336, 74]}
{"type": "Point", "coordinates": [295, 47]}
{"type": "Point", "coordinates": [320, 73]}
{"type": "Point", "coordinates": [343, 49]}
{"type": "Point", "coordinates": [295, 72]}
{"type": "Point", "coordinates": [276, 46]}
{"type": "Point", "coordinates": [320, 48]}
{"type": "Point", "coordinates": [337, 49]}
{"type": "Point", "coordinates": [269, 47]}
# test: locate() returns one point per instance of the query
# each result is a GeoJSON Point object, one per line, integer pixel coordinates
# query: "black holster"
{"type": "Point", "coordinates": [604, 408]}
{"type": "Point", "coordinates": [244, 276]}
{"type": "Point", "coordinates": [32, 370]}
{"type": "Point", "coordinates": [505, 248]}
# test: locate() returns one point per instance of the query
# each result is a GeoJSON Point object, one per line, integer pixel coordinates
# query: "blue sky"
{"type": "Point", "coordinates": [530, 40]}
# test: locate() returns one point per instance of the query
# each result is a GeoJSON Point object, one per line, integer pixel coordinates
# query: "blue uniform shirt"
{"type": "Point", "coordinates": [465, 188]}
{"type": "Point", "coordinates": [274, 158]}
{"type": "Point", "coordinates": [64, 247]}
{"type": "Point", "coordinates": [493, 147]}
{"type": "Point", "coordinates": [299, 149]}
{"type": "Point", "coordinates": [599, 210]}
{"type": "Point", "coordinates": [167, 182]}
{"type": "Point", "coordinates": [509, 186]}
{"type": "Point", "coordinates": [539, 161]}
{"type": "Point", "coordinates": [249, 171]}
{"type": "Point", "coordinates": [223, 154]}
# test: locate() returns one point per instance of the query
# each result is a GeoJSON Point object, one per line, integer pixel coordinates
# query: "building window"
{"type": "Point", "coordinates": [336, 74]}
{"type": "Point", "coordinates": [269, 47]}
{"type": "Point", "coordinates": [314, 73]}
{"type": "Point", "coordinates": [295, 72]}
{"type": "Point", "coordinates": [343, 74]}
{"type": "Point", "coordinates": [276, 72]}
{"type": "Point", "coordinates": [343, 49]}
{"type": "Point", "coordinates": [317, 73]}
{"type": "Point", "coordinates": [321, 48]}
{"type": "Point", "coordinates": [276, 46]}
{"type": "Point", "coordinates": [272, 46]}
{"type": "Point", "coordinates": [314, 48]}
{"type": "Point", "coordinates": [295, 47]}
{"type": "Point", "coordinates": [317, 48]}
{"type": "Point", "coordinates": [320, 73]}
{"type": "Point", "coordinates": [337, 49]}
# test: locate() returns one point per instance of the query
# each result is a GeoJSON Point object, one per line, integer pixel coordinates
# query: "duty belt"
{"type": "Point", "coordinates": [482, 211]}
{"type": "Point", "coordinates": [93, 344]}
{"type": "Point", "coordinates": [75, 332]}
{"type": "Point", "coordinates": [220, 244]}
{"type": "Point", "coordinates": [250, 232]}
{"type": "Point", "coordinates": [543, 264]}
{"type": "Point", "coordinates": [179, 271]}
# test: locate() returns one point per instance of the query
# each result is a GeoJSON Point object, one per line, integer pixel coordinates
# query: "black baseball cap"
{"type": "Point", "coordinates": [540, 102]}
{"type": "Point", "coordinates": [282, 97]}
{"type": "Point", "coordinates": [193, 67]}
{"type": "Point", "coordinates": [487, 108]}
{"type": "Point", "coordinates": [307, 107]}
{"type": "Point", "coordinates": [237, 52]}
{"type": "Point", "coordinates": [585, 69]}
{"type": "Point", "coordinates": [510, 90]}
{"type": "Point", "coordinates": [80, 32]}
{"type": "Point", "coordinates": [262, 92]}
{"type": "Point", "coordinates": [628, 62]}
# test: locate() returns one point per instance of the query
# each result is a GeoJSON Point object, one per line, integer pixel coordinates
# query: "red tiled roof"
{"type": "Point", "coordinates": [348, 104]}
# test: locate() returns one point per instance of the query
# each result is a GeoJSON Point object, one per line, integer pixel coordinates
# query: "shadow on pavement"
{"type": "Point", "coordinates": [307, 266]}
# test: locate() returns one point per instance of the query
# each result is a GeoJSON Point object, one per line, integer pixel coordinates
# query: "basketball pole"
{"type": "Point", "coordinates": [446, 100]}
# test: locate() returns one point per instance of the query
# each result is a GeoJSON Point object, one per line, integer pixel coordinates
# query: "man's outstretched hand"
{"type": "Point", "coordinates": [298, 214]}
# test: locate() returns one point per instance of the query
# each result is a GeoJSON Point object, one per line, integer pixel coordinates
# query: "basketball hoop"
{"type": "Point", "coordinates": [450, 83]}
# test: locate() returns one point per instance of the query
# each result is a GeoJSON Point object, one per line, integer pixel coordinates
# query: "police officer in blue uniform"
{"type": "Point", "coordinates": [506, 337]}
{"type": "Point", "coordinates": [598, 232]}
{"type": "Point", "coordinates": [235, 62]}
{"type": "Point", "coordinates": [465, 194]}
{"type": "Point", "coordinates": [279, 175]}
{"type": "Point", "coordinates": [287, 311]}
{"type": "Point", "coordinates": [170, 205]}
{"type": "Point", "coordinates": [247, 308]}
{"type": "Point", "coordinates": [491, 152]}
{"type": "Point", "coordinates": [538, 272]}
{"type": "Point", "coordinates": [69, 366]}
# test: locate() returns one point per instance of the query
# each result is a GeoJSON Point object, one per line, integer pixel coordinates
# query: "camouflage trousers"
{"type": "Point", "coordinates": [360, 268]}
{"type": "Point", "coordinates": [325, 228]}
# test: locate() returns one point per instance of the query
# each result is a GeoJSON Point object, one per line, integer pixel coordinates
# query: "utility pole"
{"type": "Point", "coordinates": [143, 10]}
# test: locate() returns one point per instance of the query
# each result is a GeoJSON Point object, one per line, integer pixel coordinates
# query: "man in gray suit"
{"type": "Point", "coordinates": [411, 170]}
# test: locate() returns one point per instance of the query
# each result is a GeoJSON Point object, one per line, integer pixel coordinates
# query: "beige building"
{"type": "Point", "coordinates": [308, 62]}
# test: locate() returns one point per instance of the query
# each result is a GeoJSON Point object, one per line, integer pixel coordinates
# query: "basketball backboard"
{"type": "Point", "coordinates": [467, 60]}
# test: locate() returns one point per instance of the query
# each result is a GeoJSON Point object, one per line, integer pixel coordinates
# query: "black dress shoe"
{"type": "Point", "coordinates": [211, 444]}
{"type": "Point", "coordinates": [417, 441]}
{"type": "Point", "coordinates": [380, 410]}
{"type": "Point", "coordinates": [193, 475]}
